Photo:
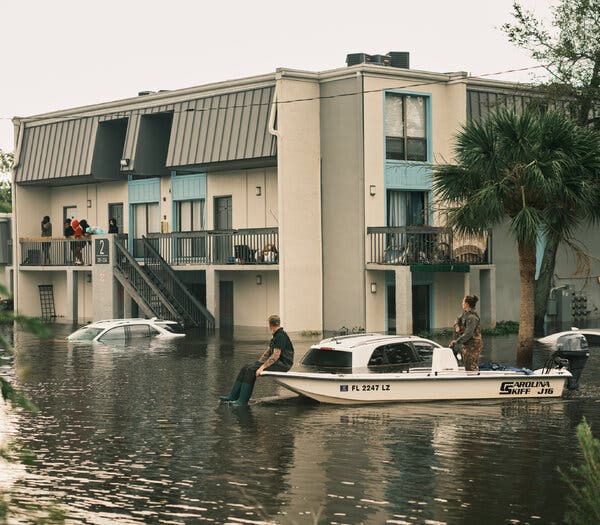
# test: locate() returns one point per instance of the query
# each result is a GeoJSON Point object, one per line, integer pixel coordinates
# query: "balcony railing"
{"type": "Point", "coordinates": [426, 245]}
{"type": "Point", "coordinates": [46, 251]}
{"type": "Point", "coordinates": [248, 246]}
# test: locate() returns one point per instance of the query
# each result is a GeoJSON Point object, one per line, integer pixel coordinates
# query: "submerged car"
{"type": "Point", "coordinates": [109, 330]}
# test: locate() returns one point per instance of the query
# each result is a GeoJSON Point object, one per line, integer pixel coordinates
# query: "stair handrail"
{"type": "Point", "coordinates": [122, 250]}
{"type": "Point", "coordinates": [206, 316]}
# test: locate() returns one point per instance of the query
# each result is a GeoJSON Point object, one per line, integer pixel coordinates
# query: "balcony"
{"type": "Point", "coordinates": [47, 251]}
{"type": "Point", "coordinates": [424, 245]}
{"type": "Point", "coordinates": [248, 246]}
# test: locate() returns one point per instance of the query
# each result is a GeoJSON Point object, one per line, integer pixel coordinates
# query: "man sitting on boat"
{"type": "Point", "coordinates": [278, 357]}
{"type": "Point", "coordinates": [468, 326]}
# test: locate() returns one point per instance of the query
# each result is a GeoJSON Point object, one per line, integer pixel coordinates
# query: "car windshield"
{"type": "Point", "coordinates": [87, 333]}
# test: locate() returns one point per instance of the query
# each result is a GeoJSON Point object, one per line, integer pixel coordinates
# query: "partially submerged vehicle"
{"type": "Point", "coordinates": [374, 368]}
{"type": "Point", "coordinates": [111, 330]}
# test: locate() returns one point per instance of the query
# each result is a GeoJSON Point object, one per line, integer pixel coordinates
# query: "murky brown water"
{"type": "Point", "coordinates": [136, 435]}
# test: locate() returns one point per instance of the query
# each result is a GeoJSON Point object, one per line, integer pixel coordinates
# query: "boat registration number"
{"type": "Point", "coordinates": [375, 387]}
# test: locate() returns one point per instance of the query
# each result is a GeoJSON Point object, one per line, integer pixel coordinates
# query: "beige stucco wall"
{"type": "Point", "coordinates": [375, 302]}
{"type": "Point", "coordinates": [448, 292]}
{"type": "Point", "coordinates": [342, 204]}
{"type": "Point", "coordinates": [248, 209]}
{"type": "Point", "coordinates": [253, 303]}
{"type": "Point", "coordinates": [299, 204]}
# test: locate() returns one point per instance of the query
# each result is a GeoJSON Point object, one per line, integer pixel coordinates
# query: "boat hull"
{"type": "Point", "coordinates": [415, 387]}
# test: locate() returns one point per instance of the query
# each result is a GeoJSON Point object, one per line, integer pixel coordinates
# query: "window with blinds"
{"type": "Point", "coordinates": [405, 127]}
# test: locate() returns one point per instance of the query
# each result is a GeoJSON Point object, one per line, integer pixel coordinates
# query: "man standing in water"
{"type": "Point", "coordinates": [278, 357]}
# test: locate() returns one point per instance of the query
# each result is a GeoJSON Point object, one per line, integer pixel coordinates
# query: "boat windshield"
{"type": "Point", "coordinates": [87, 333]}
{"type": "Point", "coordinates": [327, 358]}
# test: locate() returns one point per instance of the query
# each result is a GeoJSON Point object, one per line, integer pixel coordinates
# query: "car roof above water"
{"type": "Point", "coordinates": [104, 323]}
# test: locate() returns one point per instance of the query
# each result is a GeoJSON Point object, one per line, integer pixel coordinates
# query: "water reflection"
{"type": "Point", "coordinates": [131, 434]}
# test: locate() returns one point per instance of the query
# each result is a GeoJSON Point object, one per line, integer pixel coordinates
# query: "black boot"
{"type": "Point", "coordinates": [245, 393]}
{"type": "Point", "coordinates": [234, 394]}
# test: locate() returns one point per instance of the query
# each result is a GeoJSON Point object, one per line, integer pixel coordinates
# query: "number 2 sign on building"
{"type": "Point", "coordinates": [101, 251]}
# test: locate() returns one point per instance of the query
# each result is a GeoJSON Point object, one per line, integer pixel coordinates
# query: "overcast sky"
{"type": "Point", "coordinates": [66, 53]}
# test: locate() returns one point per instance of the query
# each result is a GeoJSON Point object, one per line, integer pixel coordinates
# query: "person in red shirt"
{"type": "Point", "coordinates": [77, 245]}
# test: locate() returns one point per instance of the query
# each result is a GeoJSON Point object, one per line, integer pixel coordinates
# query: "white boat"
{"type": "Point", "coordinates": [592, 335]}
{"type": "Point", "coordinates": [372, 368]}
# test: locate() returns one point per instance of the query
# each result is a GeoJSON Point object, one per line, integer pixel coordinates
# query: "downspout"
{"type": "Point", "coordinates": [19, 126]}
{"type": "Point", "coordinates": [273, 131]}
{"type": "Point", "coordinates": [272, 115]}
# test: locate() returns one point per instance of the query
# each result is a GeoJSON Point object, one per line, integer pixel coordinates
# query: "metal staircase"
{"type": "Point", "coordinates": [149, 297]}
{"type": "Point", "coordinates": [191, 311]}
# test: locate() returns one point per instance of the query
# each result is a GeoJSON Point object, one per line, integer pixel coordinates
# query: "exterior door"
{"type": "Point", "coordinates": [226, 305]}
{"type": "Point", "coordinates": [391, 308]}
{"type": "Point", "coordinates": [420, 308]}
{"type": "Point", "coordinates": [223, 221]}
{"type": "Point", "coordinates": [115, 211]}
{"type": "Point", "coordinates": [70, 212]}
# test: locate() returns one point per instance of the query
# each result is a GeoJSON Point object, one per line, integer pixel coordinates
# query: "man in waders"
{"type": "Point", "coordinates": [278, 357]}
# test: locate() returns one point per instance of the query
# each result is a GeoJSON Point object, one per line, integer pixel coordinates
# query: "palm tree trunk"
{"type": "Point", "coordinates": [527, 278]}
{"type": "Point", "coordinates": [544, 283]}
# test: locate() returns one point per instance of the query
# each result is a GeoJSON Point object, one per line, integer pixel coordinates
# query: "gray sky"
{"type": "Point", "coordinates": [65, 53]}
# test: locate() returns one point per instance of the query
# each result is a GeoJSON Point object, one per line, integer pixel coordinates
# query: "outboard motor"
{"type": "Point", "coordinates": [573, 348]}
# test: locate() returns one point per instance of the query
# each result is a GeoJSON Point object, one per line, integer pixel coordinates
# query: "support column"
{"type": "Point", "coordinates": [487, 285]}
{"type": "Point", "coordinates": [212, 294]}
{"type": "Point", "coordinates": [467, 284]}
{"type": "Point", "coordinates": [404, 317]}
{"type": "Point", "coordinates": [127, 306]}
{"type": "Point", "coordinates": [474, 286]}
{"type": "Point", "coordinates": [103, 282]}
{"type": "Point", "coordinates": [72, 308]}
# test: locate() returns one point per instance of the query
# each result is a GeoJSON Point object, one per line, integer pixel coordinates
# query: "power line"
{"type": "Point", "coordinates": [144, 111]}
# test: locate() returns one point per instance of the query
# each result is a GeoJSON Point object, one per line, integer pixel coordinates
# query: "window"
{"type": "Point", "coordinates": [424, 349]}
{"type": "Point", "coordinates": [327, 358]}
{"type": "Point", "coordinates": [190, 215]}
{"type": "Point", "coordinates": [146, 217]}
{"type": "Point", "coordinates": [139, 331]}
{"type": "Point", "coordinates": [396, 354]}
{"type": "Point", "coordinates": [114, 334]}
{"type": "Point", "coordinates": [405, 128]}
{"type": "Point", "coordinates": [407, 208]}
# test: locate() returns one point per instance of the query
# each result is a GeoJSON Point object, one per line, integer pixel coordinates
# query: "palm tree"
{"type": "Point", "coordinates": [520, 169]}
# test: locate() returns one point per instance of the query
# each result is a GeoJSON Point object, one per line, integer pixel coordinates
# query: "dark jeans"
{"type": "Point", "coordinates": [248, 373]}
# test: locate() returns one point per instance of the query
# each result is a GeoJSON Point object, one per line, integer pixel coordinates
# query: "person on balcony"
{"type": "Point", "coordinates": [112, 225]}
{"type": "Point", "coordinates": [68, 232]}
{"type": "Point", "coordinates": [270, 254]}
{"type": "Point", "coordinates": [279, 356]}
{"type": "Point", "coordinates": [468, 329]}
{"type": "Point", "coordinates": [46, 232]}
{"type": "Point", "coordinates": [77, 245]}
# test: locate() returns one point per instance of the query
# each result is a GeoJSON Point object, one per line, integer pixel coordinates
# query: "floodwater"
{"type": "Point", "coordinates": [135, 434]}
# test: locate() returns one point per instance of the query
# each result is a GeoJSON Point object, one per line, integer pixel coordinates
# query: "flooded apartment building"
{"type": "Point", "coordinates": [307, 194]}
